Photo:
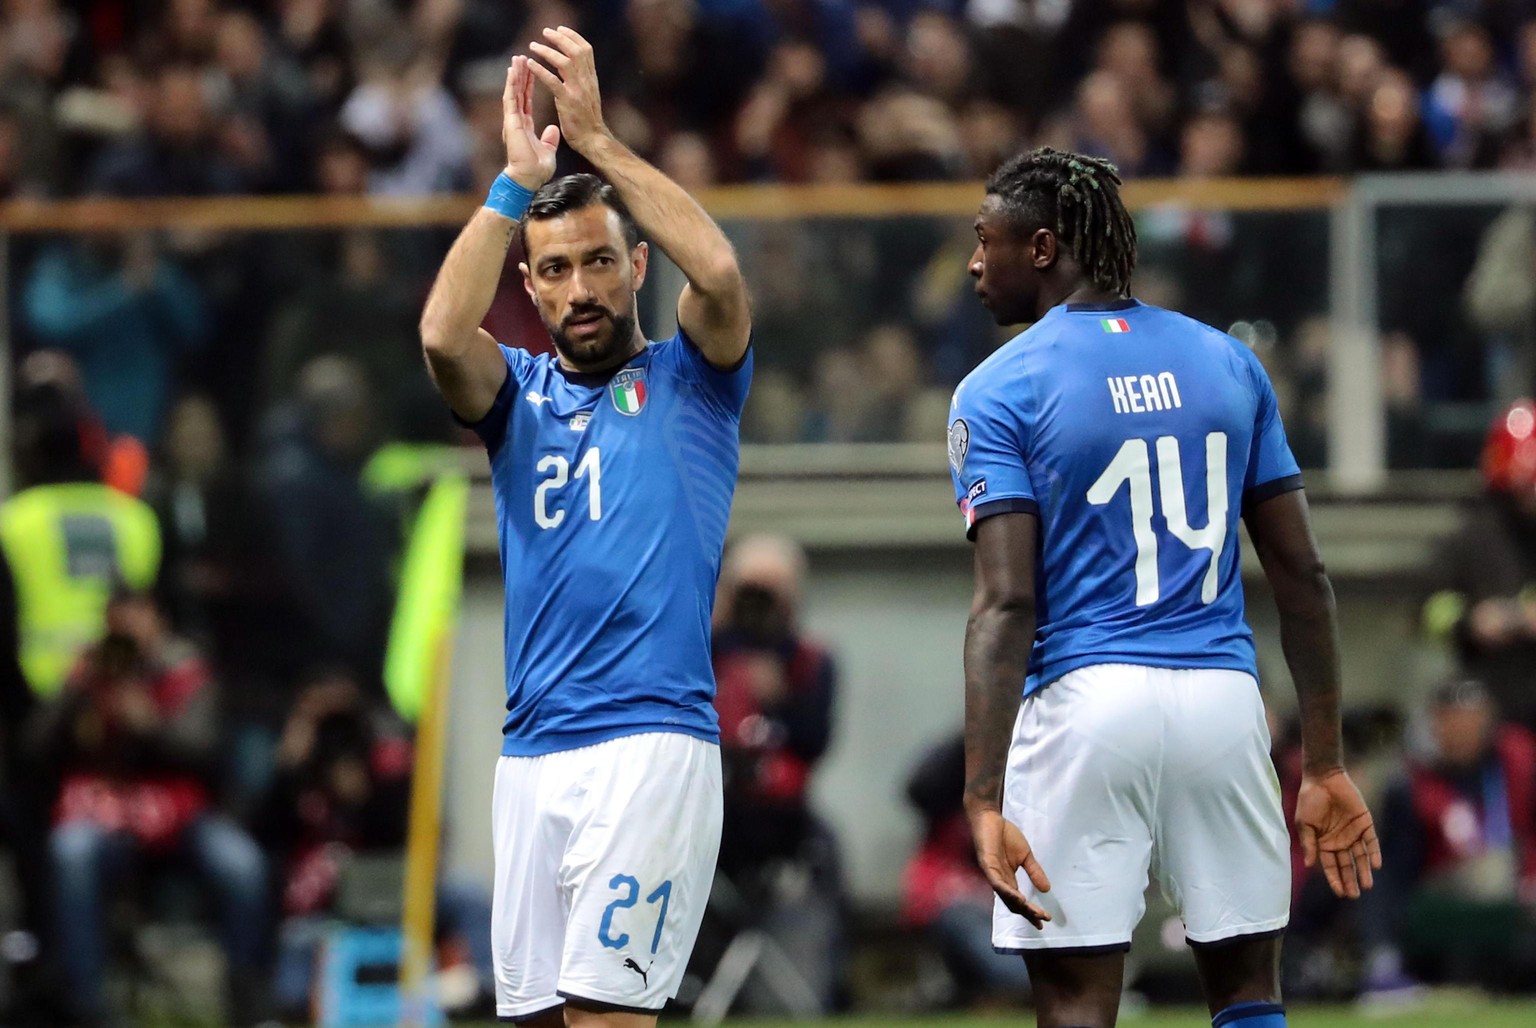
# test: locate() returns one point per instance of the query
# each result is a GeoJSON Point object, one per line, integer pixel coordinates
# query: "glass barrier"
{"type": "Point", "coordinates": [865, 317]}
{"type": "Point", "coordinates": [863, 325]}
{"type": "Point", "coordinates": [1456, 313]}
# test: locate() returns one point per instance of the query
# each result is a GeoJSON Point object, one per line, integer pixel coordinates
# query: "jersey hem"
{"type": "Point", "coordinates": [545, 745]}
{"type": "Point", "coordinates": [1085, 945]}
{"type": "Point", "coordinates": [1060, 669]}
{"type": "Point", "coordinates": [1238, 933]}
{"type": "Point", "coordinates": [514, 1013]}
{"type": "Point", "coordinates": [606, 1006]}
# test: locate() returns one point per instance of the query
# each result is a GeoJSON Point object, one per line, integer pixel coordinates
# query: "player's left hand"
{"type": "Point", "coordinates": [1337, 831]}
{"type": "Point", "coordinates": [1002, 851]}
{"type": "Point", "coordinates": [573, 81]}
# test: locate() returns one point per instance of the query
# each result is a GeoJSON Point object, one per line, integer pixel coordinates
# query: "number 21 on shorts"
{"type": "Point", "coordinates": [1133, 465]}
{"type": "Point", "coordinates": [629, 889]}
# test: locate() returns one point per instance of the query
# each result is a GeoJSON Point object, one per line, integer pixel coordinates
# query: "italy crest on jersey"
{"type": "Point", "coordinates": [628, 392]}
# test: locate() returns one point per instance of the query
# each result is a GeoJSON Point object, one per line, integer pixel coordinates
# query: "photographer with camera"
{"type": "Point", "coordinates": [775, 693]}
{"type": "Point", "coordinates": [133, 739]}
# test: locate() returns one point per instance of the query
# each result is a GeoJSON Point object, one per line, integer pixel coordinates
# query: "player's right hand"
{"type": "Point", "coordinates": [1337, 831]}
{"type": "Point", "coordinates": [1001, 850]}
{"type": "Point", "coordinates": [530, 156]}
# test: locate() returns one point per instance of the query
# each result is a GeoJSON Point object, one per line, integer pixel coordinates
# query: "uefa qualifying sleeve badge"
{"type": "Point", "coordinates": [959, 443]}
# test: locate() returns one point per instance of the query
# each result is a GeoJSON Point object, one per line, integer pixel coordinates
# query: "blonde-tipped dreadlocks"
{"type": "Point", "coordinates": [1079, 199]}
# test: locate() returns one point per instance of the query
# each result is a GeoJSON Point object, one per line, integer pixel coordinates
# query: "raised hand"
{"type": "Point", "coordinates": [1337, 831]}
{"type": "Point", "coordinates": [573, 82]}
{"type": "Point", "coordinates": [530, 156]}
{"type": "Point", "coordinates": [1001, 850]}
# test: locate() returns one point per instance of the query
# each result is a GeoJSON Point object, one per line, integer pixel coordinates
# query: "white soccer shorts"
{"type": "Point", "coordinates": [1117, 772]}
{"type": "Point", "coordinates": [604, 860]}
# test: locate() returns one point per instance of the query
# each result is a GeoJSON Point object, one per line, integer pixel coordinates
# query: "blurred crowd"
{"type": "Point", "coordinates": [194, 722]}
{"type": "Point", "coordinates": [862, 324]}
{"type": "Point", "coordinates": [402, 97]}
{"type": "Point", "coordinates": [191, 676]}
{"type": "Point", "coordinates": [197, 726]}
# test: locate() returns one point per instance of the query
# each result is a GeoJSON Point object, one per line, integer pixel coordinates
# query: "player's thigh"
{"type": "Point", "coordinates": [578, 1017]}
{"type": "Point", "coordinates": [1242, 970]}
{"type": "Point", "coordinates": [528, 915]}
{"type": "Point", "coordinates": [638, 871]}
{"type": "Point", "coordinates": [1223, 850]}
{"type": "Point", "coordinates": [1080, 785]}
{"type": "Point", "coordinates": [1073, 990]}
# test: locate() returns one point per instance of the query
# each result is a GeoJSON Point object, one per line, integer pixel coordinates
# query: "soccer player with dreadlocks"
{"type": "Point", "coordinates": [1101, 460]}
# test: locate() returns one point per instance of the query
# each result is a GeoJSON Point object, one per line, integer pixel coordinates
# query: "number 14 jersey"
{"type": "Point", "coordinates": [1138, 436]}
{"type": "Point", "coordinates": [612, 495]}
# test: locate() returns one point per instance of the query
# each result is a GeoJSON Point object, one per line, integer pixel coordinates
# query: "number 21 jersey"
{"type": "Point", "coordinates": [613, 492]}
{"type": "Point", "coordinates": [1138, 436]}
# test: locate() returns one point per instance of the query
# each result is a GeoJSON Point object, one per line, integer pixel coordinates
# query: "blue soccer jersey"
{"type": "Point", "coordinates": [613, 492]}
{"type": "Point", "coordinates": [1138, 436]}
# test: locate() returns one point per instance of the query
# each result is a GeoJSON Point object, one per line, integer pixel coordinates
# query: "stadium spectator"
{"type": "Point", "coordinates": [133, 737]}
{"type": "Point", "coordinates": [341, 790]}
{"type": "Point", "coordinates": [127, 313]}
{"type": "Point", "coordinates": [1470, 106]}
{"type": "Point", "coordinates": [67, 534]}
{"type": "Point", "coordinates": [1484, 604]}
{"type": "Point", "coordinates": [1500, 301]}
{"type": "Point", "coordinates": [266, 104]}
{"type": "Point", "coordinates": [17, 179]}
{"type": "Point", "coordinates": [775, 699]}
{"type": "Point", "coordinates": [214, 584]}
{"type": "Point", "coordinates": [686, 159]}
{"type": "Point", "coordinates": [232, 103]}
{"type": "Point", "coordinates": [1211, 146]}
{"type": "Point", "coordinates": [341, 165]}
{"type": "Point", "coordinates": [1392, 136]}
{"type": "Point", "coordinates": [1323, 118]}
{"type": "Point", "coordinates": [943, 890]}
{"type": "Point", "coordinates": [1460, 823]}
{"type": "Point", "coordinates": [332, 541]}
{"type": "Point", "coordinates": [23, 832]}
{"type": "Point", "coordinates": [1104, 121]}
{"type": "Point", "coordinates": [353, 304]}
{"type": "Point", "coordinates": [178, 152]}
{"type": "Point", "coordinates": [34, 51]}
{"type": "Point", "coordinates": [1129, 52]}
{"type": "Point", "coordinates": [938, 60]}
{"type": "Point", "coordinates": [414, 131]}
{"type": "Point", "coordinates": [990, 133]}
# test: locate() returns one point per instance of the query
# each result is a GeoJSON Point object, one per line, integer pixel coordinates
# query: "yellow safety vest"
{"type": "Point", "coordinates": [66, 545]}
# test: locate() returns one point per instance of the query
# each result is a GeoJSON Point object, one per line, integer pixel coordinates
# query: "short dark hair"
{"type": "Point", "coordinates": [1078, 198]}
{"type": "Point", "coordinates": [572, 193]}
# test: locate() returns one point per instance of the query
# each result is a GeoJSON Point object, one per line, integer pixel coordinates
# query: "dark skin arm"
{"type": "Point", "coordinates": [998, 639]}
{"type": "Point", "coordinates": [1334, 825]}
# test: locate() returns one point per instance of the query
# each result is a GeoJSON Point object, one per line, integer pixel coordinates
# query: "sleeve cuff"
{"type": "Point", "coordinates": [1004, 505]}
{"type": "Point", "coordinates": [1269, 490]}
{"type": "Point", "coordinates": [492, 428]}
{"type": "Point", "coordinates": [737, 366]}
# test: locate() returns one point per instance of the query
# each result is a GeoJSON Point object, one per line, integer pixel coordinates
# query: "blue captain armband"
{"type": "Point", "coordinates": [508, 199]}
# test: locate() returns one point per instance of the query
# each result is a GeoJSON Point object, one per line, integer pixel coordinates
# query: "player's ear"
{"type": "Point", "coordinates": [1042, 249]}
{"type": "Point", "coordinates": [639, 261]}
{"type": "Point", "coordinates": [527, 280]}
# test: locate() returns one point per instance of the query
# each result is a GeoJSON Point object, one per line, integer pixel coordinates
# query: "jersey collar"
{"type": "Point", "coordinates": [595, 379]}
{"type": "Point", "coordinates": [1113, 305]}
